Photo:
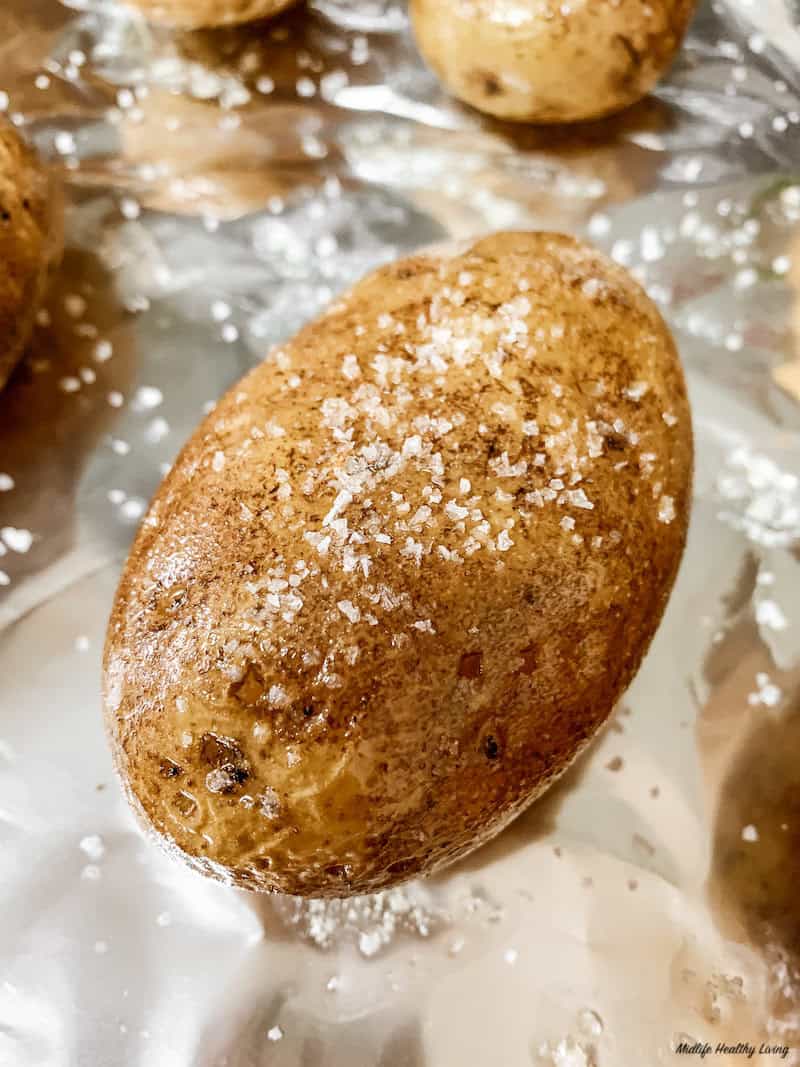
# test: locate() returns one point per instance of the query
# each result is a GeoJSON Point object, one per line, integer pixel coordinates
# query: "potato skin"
{"type": "Point", "coordinates": [546, 61]}
{"type": "Point", "coordinates": [497, 446]}
{"type": "Point", "coordinates": [199, 14]}
{"type": "Point", "coordinates": [30, 242]}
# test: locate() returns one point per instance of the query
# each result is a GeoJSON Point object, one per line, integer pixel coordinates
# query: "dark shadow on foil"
{"type": "Point", "coordinates": [48, 433]}
{"type": "Point", "coordinates": [753, 885]}
{"type": "Point", "coordinates": [750, 757]}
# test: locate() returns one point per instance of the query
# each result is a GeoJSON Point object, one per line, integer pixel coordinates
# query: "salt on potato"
{"type": "Point", "coordinates": [30, 242]}
{"type": "Point", "coordinates": [401, 574]}
{"type": "Point", "coordinates": [550, 61]}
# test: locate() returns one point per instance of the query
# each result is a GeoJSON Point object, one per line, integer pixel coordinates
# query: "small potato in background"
{"type": "Point", "coordinates": [548, 61]}
{"type": "Point", "coordinates": [194, 14]}
{"type": "Point", "coordinates": [30, 243]}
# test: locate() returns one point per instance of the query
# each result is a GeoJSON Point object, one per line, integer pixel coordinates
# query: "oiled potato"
{"type": "Point", "coordinates": [195, 14]}
{"type": "Point", "coordinates": [30, 243]}
{"type": "Point", "coordinates": [549, 61]}
{"type": "Point", "coordinates": [400, 575]}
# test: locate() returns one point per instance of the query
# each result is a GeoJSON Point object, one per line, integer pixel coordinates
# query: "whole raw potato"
{"type": "Point", "coordinates": [546, 60]}
{"type": "Point", "coordinates": [197, 14]}
{"type": "Point", "coordinates": [400, 575]}
{"type": "Point", "coordinates": [30, 243]}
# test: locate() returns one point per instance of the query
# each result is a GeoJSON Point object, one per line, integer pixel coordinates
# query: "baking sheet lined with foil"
{"type": "Point", "coordinates": [223, 186]}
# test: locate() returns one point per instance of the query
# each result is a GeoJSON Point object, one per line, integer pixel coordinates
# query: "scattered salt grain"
{"type": "Point", "coordinates": [349, 609]}
{"type": "Point", "coordinates": [92, 845]}
{"type": "Point", "coordinates": [18, 540]}
{"type": "Point", "coordinates": [768, 613]}
{"type": "Point", "coordinates": [147, 397]}
{"type": "Point", "coordinates": [666, 509]}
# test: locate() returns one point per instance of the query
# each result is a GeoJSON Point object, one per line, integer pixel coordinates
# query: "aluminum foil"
{"type": "Point", "coordinates": [222, 187]}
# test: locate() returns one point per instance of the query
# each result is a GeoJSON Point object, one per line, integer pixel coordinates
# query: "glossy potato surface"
{"type": "Point", "coordinates": [548, 61]}
{"type": "Point", "coordinates": [400, 575]}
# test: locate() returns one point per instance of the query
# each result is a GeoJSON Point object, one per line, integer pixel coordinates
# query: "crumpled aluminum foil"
{"type": "Point", "coordinates": [222, 187]}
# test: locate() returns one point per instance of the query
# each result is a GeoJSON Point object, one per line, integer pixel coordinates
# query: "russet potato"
{"type": "Point", "coordinates": [548, 61]}
{"type": "Point", "coordinates": [401, 574]}
{"type": "Point", "coordinates": [30, 242]}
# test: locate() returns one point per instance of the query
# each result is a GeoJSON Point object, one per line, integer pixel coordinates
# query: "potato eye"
{"type": "Point", "coordinates": [491, 747]}
{"type": "Point", "coordinates": [168, 768]}
{"type": "Point", "coordinates": [470, 665]}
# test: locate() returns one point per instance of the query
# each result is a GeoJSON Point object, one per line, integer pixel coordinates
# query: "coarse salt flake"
{"type": "Point", "coordinates": [18, 540]}
{"type": "Point", "coordinates": [350, 610]}
{"type": "Point", "coordinates": [666, 509]}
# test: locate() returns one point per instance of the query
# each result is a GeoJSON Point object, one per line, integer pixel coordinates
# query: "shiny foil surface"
{"type": "Point", "coordinates": [222, 187]}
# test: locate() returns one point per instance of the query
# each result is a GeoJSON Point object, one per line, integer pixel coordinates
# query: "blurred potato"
{"type": "Point", "coordinates": [547, 61]}
{"type": "Point", "coordinates": [30, 242]}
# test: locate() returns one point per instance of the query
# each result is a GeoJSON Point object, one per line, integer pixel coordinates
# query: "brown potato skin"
{"type": "Point", "coordinates": [532, 61]}
{"type": "Point", "coordinates": [390, 751]}
{"type": "Point", "coordinates": [30, 242]}
{"type": "Point", "coordinates": [199, 14]}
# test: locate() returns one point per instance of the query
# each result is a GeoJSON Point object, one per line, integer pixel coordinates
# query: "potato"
{"type": "Point", "coordinates": [548, 61]}
{"type": "Point", "coordinates": [30, 243]}
{"type": "Point", "coordinates": [400, 575]}
{"type": "Point", "coordinates": [194, 14]}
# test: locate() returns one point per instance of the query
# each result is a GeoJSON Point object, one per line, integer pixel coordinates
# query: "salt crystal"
{"type": "Point", "coordinates": [349, 609]}
{"type": "Point", "coordinates": [666, 509]}
{"type": "Point", "coordinates": [768, 613]}
{"type": "Point", "coordinates": [93, 846]}
{"type": "Point", "coordinates": [148, 397]}
{"type": "Point", "coordinates": [18, 540]}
